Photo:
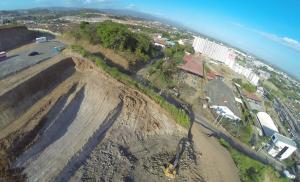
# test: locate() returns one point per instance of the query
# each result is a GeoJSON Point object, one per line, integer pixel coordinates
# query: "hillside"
{"type": "Point", "coordinates": [66, 118]}
{"type": "Point", "coordinates": [86, 125]}
{"type": "Point", "coordinates": [15, 36]}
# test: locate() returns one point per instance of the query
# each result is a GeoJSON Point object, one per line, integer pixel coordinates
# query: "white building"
{"type": "Point", "coordinates": [180, 42]}
{"type": "Point", "coordinates": [260, 90]}
{"type": "Point", "coordinates": [224, 55]}
{"type": "Point", "coordinates": [41, 39]}
{"type": "Point", "coordinates": [281, 147]}
{"type": "Point", "coordinates": [225, 112]}
{"type": "Point", "coordinates": [264, 75]}
{"type": "Point", "coordinates": [253, 78]}
{"type": "Point", "coordinates": [214, 51]}
{"type": "Point", "coordinates": [266, 123]}
{"type": "Point", "coordinates": [248, 73]}
{"type": "Point", "coordinates": [159, 45]}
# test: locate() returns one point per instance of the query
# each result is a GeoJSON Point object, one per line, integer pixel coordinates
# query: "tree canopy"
{"type": "Point", "coordinates": [119, 38]}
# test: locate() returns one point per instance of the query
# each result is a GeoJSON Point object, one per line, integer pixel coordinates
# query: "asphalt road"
{"type": "Point", "coordinates": [21, 60]}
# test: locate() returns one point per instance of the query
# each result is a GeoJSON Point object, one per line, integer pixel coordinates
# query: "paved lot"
{"type": "Point", "coordinates": [21, 60]}
{"type": "Point", "coordinates": [221, 95]}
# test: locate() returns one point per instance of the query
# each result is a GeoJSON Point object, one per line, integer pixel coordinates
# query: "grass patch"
{"type": "Point", "coordinates": [251, 170]}
{"type": "Point", "coordinates": [245, 133]}
{"type": "Point", "coordinates": [179, 115]}
{"type": "Point", "coordinates": [246, 85]}
{"type": "Point", "coordinates": [160, 81]}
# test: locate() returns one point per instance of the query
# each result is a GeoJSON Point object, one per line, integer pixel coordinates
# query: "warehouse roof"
{"type": "Point", "coordinates": [285, 140]}
{"type": "Point", "coordinates": [267, 123]}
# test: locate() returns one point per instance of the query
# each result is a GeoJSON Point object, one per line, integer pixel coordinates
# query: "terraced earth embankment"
{"type": "Point", "coordinates": [71, 121]}
{"type": "Point", "coordinates": [15, 36]}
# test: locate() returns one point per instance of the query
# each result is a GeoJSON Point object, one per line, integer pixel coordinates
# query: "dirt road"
{"type": "Point", "coordinates": [215, 162]}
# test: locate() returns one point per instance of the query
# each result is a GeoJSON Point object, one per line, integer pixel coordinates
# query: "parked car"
{"type": "Point", "coordinates": [34, 53]}
{"type": "Point", "coordinates": [2, 55]}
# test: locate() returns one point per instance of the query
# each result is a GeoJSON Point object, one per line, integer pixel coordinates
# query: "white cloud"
{"type": "Point", "coordinates": [291, 41]}
{"type": "Point", "coordinates": [286, 41]}
{"type": "Point", "coordinates": [283, 40]}
{"type": "Point", "coordinates": [130, 6]}
{"type": "Point", "coordinates": [76, 1]}
{"type": "Point", "coordinates": [93, 1]}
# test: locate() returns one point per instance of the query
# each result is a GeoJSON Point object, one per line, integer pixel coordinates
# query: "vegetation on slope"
{"type": "Point", "coordinates": [251, 170]}
{"type": "Point", "coordinates": [179, 115]}
{"type": "Point", "coordinates": [245, 85]}
{"type": "Point", "coordinates": [163, 72]}
{"type": "Point", "coordinates": [137, 48]}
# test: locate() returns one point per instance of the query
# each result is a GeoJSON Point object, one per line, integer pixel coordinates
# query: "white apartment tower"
{"type": "Point", "coordinates": [214, 51]}
{"type": "Point", "coordinates": [224, 55]}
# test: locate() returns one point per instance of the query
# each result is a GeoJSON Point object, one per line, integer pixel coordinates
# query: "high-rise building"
{"type": "Point", "coordinates": [215, 51]}
{"type": "Point", "coordinates": [225, 55]}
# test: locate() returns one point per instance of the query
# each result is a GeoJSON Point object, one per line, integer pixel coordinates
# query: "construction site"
{"type": "Point", "coordinates": [65, 119]}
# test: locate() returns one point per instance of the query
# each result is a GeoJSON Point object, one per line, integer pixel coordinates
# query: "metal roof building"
{"type": "Point", "coordinates": [266, 123]}
{"type": "Point", "coordinates": [281, 146]}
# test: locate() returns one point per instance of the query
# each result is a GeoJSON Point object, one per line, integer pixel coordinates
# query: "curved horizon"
{"type": "Point", "coordinates": [270, 31]}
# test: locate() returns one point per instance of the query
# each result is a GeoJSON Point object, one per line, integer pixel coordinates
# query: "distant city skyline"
{"type": "Point", "coordinates": [267, 29]}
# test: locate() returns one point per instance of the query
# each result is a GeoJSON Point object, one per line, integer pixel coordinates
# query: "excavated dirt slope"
{"type": "Point", "coordinates": [66, 120]}
{"type": "Point", "coordinates": [70, 121]}
{"type": "Point", "coordinates": [15, 36]}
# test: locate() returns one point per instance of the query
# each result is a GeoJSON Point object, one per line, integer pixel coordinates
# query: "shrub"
{"type": "Point", "coordinates": [136, 47]}
{"type": "Point", "coordinates": [251, 170]}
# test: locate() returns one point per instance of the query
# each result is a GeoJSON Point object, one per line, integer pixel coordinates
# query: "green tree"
{"type": "Point", "coordinates": [190, 49]}
{"type": "Point", "coordinates": [136, 47]}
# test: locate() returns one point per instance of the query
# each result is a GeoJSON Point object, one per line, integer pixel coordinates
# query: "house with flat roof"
{"type": "Point", "coordinates": [281, 147]}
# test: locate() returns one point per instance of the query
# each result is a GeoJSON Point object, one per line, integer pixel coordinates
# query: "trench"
{"type": "Point", "coordinates": [78, 159]}
{"type": "Point", "coordinates": [54, 128]}
{"type": "Point", "coordinates": [18, 100]}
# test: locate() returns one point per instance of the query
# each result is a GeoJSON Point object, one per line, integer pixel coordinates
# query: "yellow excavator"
{"type": "Point", "coordinates": [170, 169]}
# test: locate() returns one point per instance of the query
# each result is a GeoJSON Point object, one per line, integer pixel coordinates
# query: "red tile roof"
{"type": "Point", "coordinates": [193, 65]}
{"type": "Point", "coordinates": [187, 58]}
{"type": "Point", "coordinates": [160, 41]}
{"type": "Point", "coordinates": [213, 75]}
{"type": "Point", "coordinates": [252, 96]}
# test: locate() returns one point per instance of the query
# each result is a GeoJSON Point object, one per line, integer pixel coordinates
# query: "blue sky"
{"type": "Point", "coordinates": [268, 28]}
